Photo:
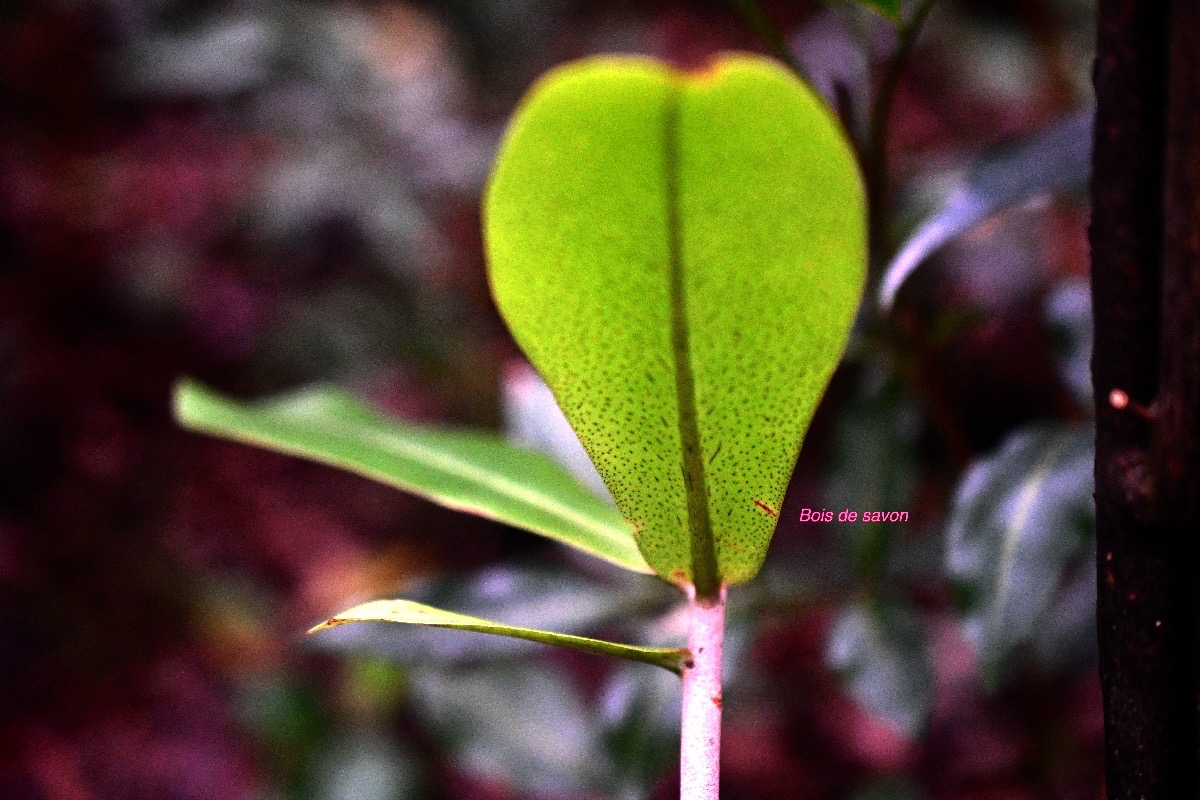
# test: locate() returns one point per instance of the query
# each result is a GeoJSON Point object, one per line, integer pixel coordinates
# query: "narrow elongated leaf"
{"type": "Point", "coordinates": [1056, 160]}
{"type": "Point", "coordinates": [1019, 521]}
{"type": "Point", "coordinates": [412, 613]}
{"type": "Point", "coordinates": [524, 596]}
{"type": "Point", "coordinates": [471, 472]}
{"type": "Point", "coordinates": [681, 255]}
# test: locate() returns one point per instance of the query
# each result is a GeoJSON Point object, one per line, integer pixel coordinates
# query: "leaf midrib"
{"type": "Point", "coordinates": [705, 576]}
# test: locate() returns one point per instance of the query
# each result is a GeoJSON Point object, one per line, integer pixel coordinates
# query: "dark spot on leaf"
{"type": "Point", "coordinates": [770, 511]}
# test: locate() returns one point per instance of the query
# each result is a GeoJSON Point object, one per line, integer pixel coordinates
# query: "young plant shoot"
{"type": "Point", "coordinates": [680, 255]}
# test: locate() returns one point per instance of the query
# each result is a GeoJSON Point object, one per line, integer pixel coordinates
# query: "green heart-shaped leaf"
{"type": "Point", "coordinates": [681, 255]}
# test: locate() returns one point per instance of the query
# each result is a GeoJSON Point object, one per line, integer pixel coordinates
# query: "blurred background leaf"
{"type": "Point", "coordinates": [888, 8]}
{"type": "Point", "coordinates": [367, 767]}
{"type": "Point", "coordinates": [640, 712]}
{"type": "Point", "coordinates": [1021, 520]}
{"type": "Point", "coordinates": [894, 789]}
{"type": "Point", "coordinates": [525, 721]}
{"type": "Point", "coordinates": [1069, 318]}
{"type": "Point", "coordinates": [880, 651]}
{"type": "Point", "coordinates": [1056, 160]}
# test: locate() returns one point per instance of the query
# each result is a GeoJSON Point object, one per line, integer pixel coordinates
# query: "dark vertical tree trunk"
{"type": "Point", "coordinates": [1145, 238]}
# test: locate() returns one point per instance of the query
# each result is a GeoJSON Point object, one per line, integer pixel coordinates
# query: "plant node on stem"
{"type": "Point", "coordinates": [700, 744]}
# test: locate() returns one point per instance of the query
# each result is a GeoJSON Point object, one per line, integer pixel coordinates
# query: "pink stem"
{"type": "Point", "coordinates": [700, 745]}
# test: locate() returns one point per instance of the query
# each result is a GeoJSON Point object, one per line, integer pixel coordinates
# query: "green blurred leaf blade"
{"type": "Point", "coordinates": [472, 472]}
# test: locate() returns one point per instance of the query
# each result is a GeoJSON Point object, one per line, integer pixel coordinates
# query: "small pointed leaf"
{"type": "Point", "coordinates": [412, 613]}
{"type": "Point", "coordinates": [681, 255]}
{"type": "Point", "coordinates": [522, 595]}
{"type": "Point", "coordinates": [472, 472]}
